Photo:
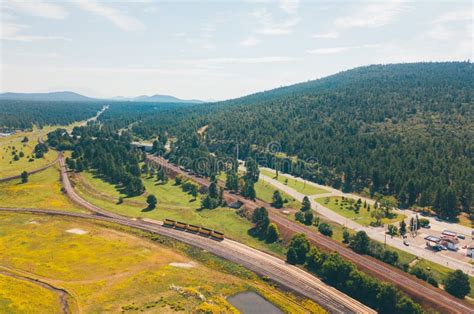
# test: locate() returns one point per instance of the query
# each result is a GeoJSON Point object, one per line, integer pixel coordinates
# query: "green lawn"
{"type": "Point", "coordinates": [265, 191]}
{"type": "Point", "coordinates": [363, 217]}
{"type": "Point", "coordinates": [297, 185]}
{"type": "Point", "coordinates": [173, 203]}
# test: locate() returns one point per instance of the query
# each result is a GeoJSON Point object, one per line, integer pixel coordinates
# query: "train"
{"type": "Point", "coordinates": [216, 235]}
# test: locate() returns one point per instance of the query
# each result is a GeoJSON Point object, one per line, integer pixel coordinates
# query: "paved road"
{"type": "Point", "coordinates": [416, 288]}
{"type": "Point", "coordinates": [379, 233]}
{"type": "Point", "coordinates": [264, 264]}
{"type": "Point", "coordinates": [435, 224]}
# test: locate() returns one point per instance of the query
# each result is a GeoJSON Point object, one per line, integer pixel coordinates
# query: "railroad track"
{"type": "Point", "coordinates": [418, 289]}
{"type": "Point", "coordinates": [264, 264]}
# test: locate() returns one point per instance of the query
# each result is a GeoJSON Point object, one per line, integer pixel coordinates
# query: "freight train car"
{"type": "Point", "coordinates": [169, 223]}
{"type": "Point", "coordinates": [217, 235]}
{"type": "Point", "coordinates": [206, 232]}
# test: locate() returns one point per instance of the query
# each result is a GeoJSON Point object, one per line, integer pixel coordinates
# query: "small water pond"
{"type": "Point", "coordinates": [252, 303]}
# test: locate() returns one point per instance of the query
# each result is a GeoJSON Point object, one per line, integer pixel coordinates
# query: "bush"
{"type": "Point", "coordinates": [325, 229]}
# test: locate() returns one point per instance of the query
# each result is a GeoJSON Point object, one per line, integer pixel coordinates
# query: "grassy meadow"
{"type": "Point", "coordinates": [22, 296]}
{"type": "Point", "coordinates": [107, 270]}
{"type": "Point", "coordinates": [173, 203]}
{"type": "Point", "coordinates": [336, 204]}
{"type": "Point", "coordinates": [43, 190]}
{"type": "Point", "coordinates": [297, 185]}
{"type": "Point", "coordinates": [13, 143]}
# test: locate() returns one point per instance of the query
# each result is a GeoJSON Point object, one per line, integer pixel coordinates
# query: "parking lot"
{"type": "Point", "coordinates": [460, 254]}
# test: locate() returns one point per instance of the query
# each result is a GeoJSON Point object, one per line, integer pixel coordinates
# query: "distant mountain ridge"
{"type": "Point", "coordinates": [159, 98]}
{"type": "Point", "coordinates": [71, 96]}
{"type": "Point", "coordinates": [52, 96]}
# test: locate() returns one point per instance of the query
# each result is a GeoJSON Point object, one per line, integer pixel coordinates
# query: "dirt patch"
{"type": "Point", "coordinates": [77, 231]}
{"type": "Point", "coordinates": [183, 265]}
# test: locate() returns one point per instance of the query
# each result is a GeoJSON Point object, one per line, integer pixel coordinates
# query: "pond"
{"type": "Point", "coordinates": [252, 303]}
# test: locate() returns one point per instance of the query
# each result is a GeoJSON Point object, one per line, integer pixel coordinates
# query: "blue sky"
{"type": "Point", "coordinates": [216, 49]}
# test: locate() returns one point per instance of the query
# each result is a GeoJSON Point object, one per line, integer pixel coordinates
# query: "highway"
{"type": "Point", "coordinates": [418, 289]}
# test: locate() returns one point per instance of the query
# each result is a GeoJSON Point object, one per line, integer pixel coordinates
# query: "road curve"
{"type": "Point", "coordinates": [418, 289]}
{"type": "Point", "coordinates": [264, 264]}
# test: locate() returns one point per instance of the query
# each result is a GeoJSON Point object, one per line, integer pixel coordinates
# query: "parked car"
{"type": "Point", "coordinates": [406, 243]}
{"type": "Point", "coordinates": [461, 236]}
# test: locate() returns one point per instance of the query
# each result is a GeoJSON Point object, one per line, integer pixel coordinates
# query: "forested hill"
{"type": "Point", "coordinates": [405, 130]}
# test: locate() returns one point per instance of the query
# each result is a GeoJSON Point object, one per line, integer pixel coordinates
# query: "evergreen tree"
{"type": "Point", "coordinates": [260, 219]}
{"type": "Point", "coordinates": [301, 245]}
{"type": "Point", "coordinates": [24, 177]}
{"type": "Point", "coordinates": [306, 204]}
{"type": "Point", "coordinates": [291, 256]}
{"type": "Point", "coordinates": [273, 234]}
{"type": "Point", "coordinates": [308, 218]}
{"type": "Point", "coordinates": [151, 201]}
{"type": "Point", "coordinates": [457, 284]}
{"type": "Point", "coordinates": [277, 200]}
{"type": "Point", "coordinates": [360, 242]}
{"type": "Point", "coordinates": [403, 227]}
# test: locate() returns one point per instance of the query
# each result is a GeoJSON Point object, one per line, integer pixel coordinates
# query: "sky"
{"type": "Point", "coordinates": [216, 49]}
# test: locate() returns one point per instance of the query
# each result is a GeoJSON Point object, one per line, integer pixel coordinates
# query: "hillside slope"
{"type": "Point", "coordinates": [405, 130]}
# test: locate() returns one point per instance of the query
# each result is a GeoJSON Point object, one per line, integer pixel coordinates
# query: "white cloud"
{"type": "Point", "coordinates": [289, 6]}
{"type": "Point", "coordinates": [271, 27]}
{"type": "Point", "coordinates": [323, 51]}
{"type": "Point", "coordinates": [249, 60]}
{"type": "Point", "coordinates": [13, 31]}
{"type": "Point", "coordinates": [250, 41]}
{"type": "Point", "coordinates": [37, 8]}
{"type": "Point", "coordinates": [454, 16]}
{"type": "Point", "coordinates": [440, 32]}
{"type": "Point", "coordinates": [214, 63]}
{"type": "Point", "coordinates": [372, 15]}
{"type": "Point", "coordinates": [118, 18]}
{"type": "Point", "coordinates": [333, 50]}
{"type": "Point", "coordinates": [330, 35]}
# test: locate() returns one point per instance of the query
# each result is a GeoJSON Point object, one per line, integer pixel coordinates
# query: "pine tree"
{"type": "Point", "coordinates": [273, 234]}
{"type": "Point", "coordinates": [277, 201]}
{"type": "Point", "coordinates": [291, 256]}
{"type": "Point", "coordinates": [306, 204]}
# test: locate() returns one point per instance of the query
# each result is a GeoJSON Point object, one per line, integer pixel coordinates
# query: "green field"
{"type": "Point", "coordinates": [10, 167]}
{"type": "Point", "coordinates": [363, 217]}
{"type": "Point", "coordinates": [106, 270]}
{"type": "Point", "coordinates": [173, 203]}
{"type": "Point", "coordinates": [265, 191]}
{"type": "Point", "coordinates": [297, 185]}
{"type": "Point", "coordinates": [43, 190]}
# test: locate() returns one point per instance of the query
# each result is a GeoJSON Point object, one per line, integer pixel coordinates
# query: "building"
{"type": "Point", "coordinates": [450, 242]}
{"type": "Point", "coordinates": [470, 250]}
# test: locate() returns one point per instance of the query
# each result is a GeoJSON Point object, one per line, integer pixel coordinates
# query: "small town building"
{"type": "Point", "coordinates": [470, 250]}
{"type": "Point", "coordinates": [450, 242]}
